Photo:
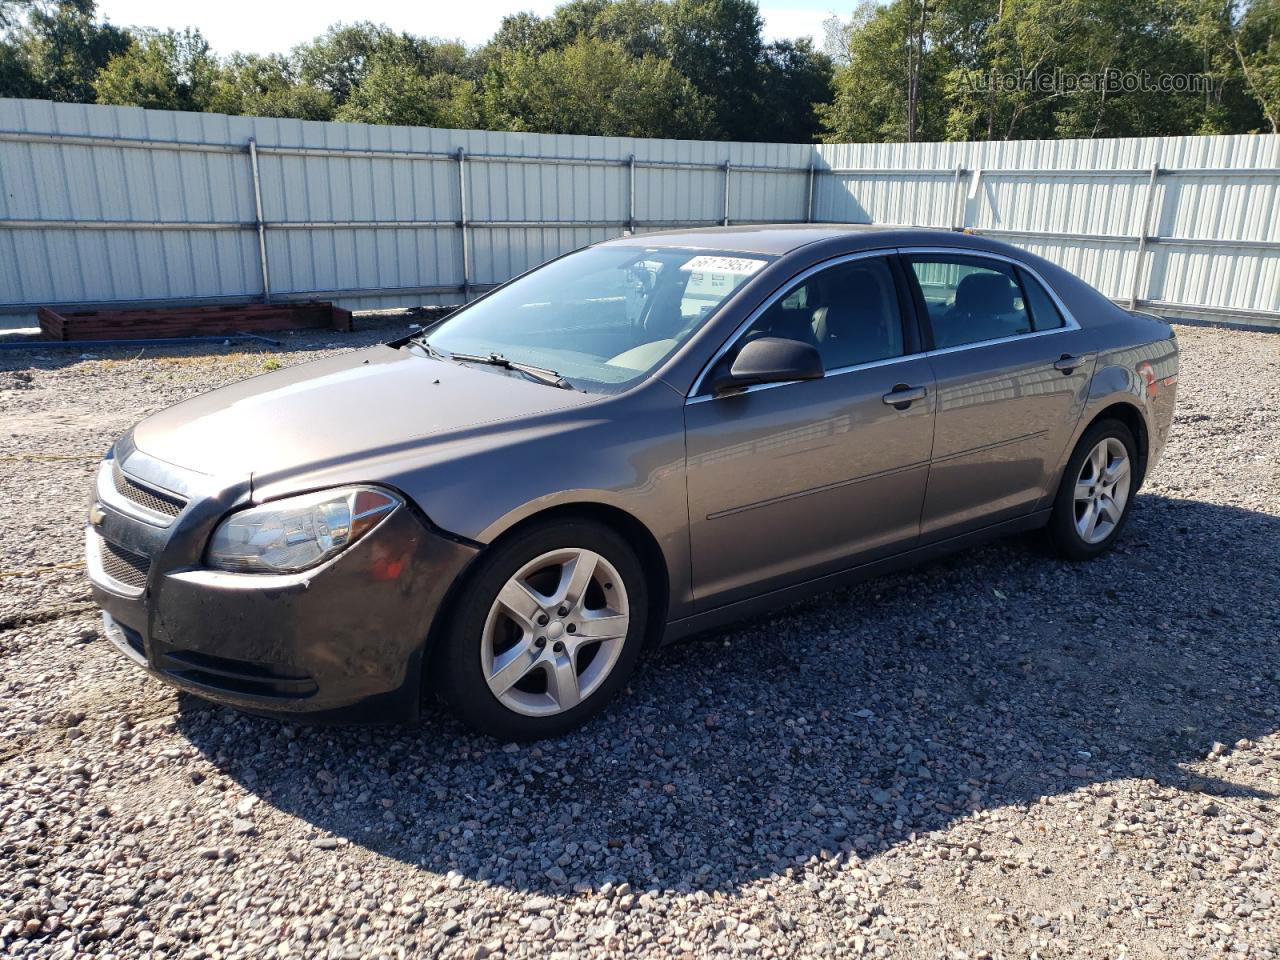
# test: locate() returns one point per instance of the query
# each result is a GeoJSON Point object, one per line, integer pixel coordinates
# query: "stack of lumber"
{"type": "Point", "coordinates": [191, 321]}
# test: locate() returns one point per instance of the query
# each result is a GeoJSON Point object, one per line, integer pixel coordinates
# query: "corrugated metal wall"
{"type": "Point", "coordinates": [118, 204]}
{"type": "Point", "coordinates": [1212, 210]}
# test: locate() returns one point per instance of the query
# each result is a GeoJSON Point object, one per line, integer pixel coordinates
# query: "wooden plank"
{"type": "Point", "coordinates": [51, 324]}
{"type": "Point", "coordinates": [192, 321]}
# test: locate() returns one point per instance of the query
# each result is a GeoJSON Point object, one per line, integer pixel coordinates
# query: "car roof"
{"type": "Point", "coordinates": [778, 239]}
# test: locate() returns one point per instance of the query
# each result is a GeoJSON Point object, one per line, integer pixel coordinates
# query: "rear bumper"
{"type": "Point", "coordinates": [344, 640]}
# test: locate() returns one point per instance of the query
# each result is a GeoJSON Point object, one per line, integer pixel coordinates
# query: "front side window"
{"type": "Point", "coordinates": [848, 311]}
{"type": "Point", "coordinates": [601, 317]}
{"type": "Point", "coordinates": [970, 300]}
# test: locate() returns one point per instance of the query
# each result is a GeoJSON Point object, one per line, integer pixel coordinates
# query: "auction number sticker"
{"type": "Point", "coordinates": [742, 266]}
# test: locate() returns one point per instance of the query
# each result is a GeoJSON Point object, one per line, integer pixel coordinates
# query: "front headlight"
{"type": "Point", "coordinates": [288, 535]}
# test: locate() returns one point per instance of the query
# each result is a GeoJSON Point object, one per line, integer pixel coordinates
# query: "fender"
{"type": "Point", "coordinates": [1143, 380]}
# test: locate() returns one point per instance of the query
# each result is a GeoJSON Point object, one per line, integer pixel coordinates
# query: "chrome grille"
{"type": "Point", "coordinates": [124, 567]}
{"type": "Point", "coordinates": [153, 500]}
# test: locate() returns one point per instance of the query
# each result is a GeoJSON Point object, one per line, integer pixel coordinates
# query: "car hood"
{"type": "Point", "coordinates": [371, 403]}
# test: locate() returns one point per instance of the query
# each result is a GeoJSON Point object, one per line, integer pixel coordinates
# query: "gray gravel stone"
{"type": "Point", "coordinates": [995, 755]}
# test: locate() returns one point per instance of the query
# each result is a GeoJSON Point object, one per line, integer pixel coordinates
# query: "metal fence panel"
{"type": "Point", "coordinates": [1211, 211]}
{"type": "Point", "coordinates": [121, 205]}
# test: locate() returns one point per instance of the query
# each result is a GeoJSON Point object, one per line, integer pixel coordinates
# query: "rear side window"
{"type": "Point", "coordinates": [970, 299]}
{"type": "Point", "coordinates": [1045, 314]}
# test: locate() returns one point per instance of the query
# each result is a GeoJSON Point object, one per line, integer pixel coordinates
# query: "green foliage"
{"type": "Point", "coordinates": [745, 89]}
{"type": "Point", "coordinates": [900, 70]}
{"type": "Point", "coordinates": [395, 91]}
{"type": "Point", "coordinates": [591, 86]}
{"type": "Point", "coordinates": [267, 87]}
{"type": "Point", "coordinates": [58, 52]}
{"type": "Point", "coordinates": [1256, 42]}
{"type": "Point", "coordinates": [716, 44]}
{"type": "Point", "coordinates": [796, 84]}
{"type": "Point", "coordinates": [871, 91]}
{"type": "Point", "coordinates": [371, 74]}
{"type": "Point", "coordinates": [163, 70]}
{"type": "Point", "coordinates": [1033, 43]}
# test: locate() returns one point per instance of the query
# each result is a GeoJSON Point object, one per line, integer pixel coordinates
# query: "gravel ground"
{"type": "Point", "coordinates": [999, 755]}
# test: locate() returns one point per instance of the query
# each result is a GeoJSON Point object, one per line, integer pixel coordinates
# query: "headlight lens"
{"type": "Point", "coordinates": [285, 536]}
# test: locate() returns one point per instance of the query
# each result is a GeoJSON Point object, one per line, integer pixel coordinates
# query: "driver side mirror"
{"type": "Point", "coordinates": [769, 360]}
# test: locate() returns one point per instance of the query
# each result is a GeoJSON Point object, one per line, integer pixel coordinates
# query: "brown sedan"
{"type": "Point", "coordinates": [635, 441]}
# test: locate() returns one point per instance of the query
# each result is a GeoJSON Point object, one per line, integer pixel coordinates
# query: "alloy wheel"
{"type": "Point", "coordinates": [554, 632]}
{"type": "Point", "coordinates": [1102, 490]}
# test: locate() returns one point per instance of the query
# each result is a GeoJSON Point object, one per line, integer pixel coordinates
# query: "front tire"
{"type": "Point", "coordinates": [1097, 491]}
{"type": "Point", "coordinates": [545, 632]}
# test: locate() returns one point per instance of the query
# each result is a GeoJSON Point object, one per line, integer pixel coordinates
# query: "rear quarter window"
{"type": "Point", "coordinates": [1045, 314]}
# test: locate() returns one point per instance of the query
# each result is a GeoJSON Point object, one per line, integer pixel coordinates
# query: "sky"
{"type": "Point", "coordinates": [275, 26]}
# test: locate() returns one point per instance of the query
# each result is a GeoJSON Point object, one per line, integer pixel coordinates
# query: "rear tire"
{"type": "Point", "coordinates": [545, 632]}
{"type": "Point", "coordinates": [1097, 491]}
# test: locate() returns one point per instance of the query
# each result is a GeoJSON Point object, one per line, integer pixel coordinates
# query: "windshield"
{"type": "Point", "coordinates": [601, 317]}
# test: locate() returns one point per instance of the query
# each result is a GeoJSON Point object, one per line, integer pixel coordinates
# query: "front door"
{"type": "Point", "coordinates": [790, 481]}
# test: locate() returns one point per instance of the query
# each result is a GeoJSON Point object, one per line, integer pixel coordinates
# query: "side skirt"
{"type": "Point", "coordinates": [753, 606]}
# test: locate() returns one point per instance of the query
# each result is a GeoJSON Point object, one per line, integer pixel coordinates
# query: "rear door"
{"type": "Point", "coordinates": [1012, 372]}
{"type": "Point", "coordinates": [790, 481]}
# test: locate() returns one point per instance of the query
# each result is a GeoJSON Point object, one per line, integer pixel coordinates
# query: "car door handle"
{"type": "Point", "coordinates": [902, 396]}
{"type": "Point", "coordinates": [1066, 363]}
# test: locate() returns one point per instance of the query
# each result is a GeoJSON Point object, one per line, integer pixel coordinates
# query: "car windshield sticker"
{"type": "Point", "coordinates": [741, 266]}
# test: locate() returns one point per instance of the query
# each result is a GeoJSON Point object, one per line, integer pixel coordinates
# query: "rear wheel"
{"type": "Point", "coordinates": [1096, 495]}
{"type": "Point", "coordinates": [546, 632]}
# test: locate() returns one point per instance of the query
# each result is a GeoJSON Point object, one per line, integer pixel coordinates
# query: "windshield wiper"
{"type": "Point", "coordinates": [432, 351]}
{"type": "Point", "coordinates": [540, 374]}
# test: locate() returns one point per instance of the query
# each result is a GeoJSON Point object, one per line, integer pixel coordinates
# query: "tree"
{"type": "Point", "coordinates": [900, 70]}
{"type": "Point", "coordinates": [267, 87]}
{"type": "Point", "coordinates": [163, 70]}
{"type": "Point", "coordinates": [871, 93]}
{"type": "Point", "coordinates": [917, 26]}
{"type": "Point", "coordinates": [717, 45]}
{"type": "Point", "coordinates": [15, 72]}
{"type": "Point", "coordinates": [1005, 69]}
{"type": "Point", "coordinates": [341, 59]}
{"type": "Point", "coordinates": [591, 87]}
{"type": "Point", "coordinates": [57, 53]}
{"type": "Point", "coordinates": [795, 81]}
{"type": "Point", "coordinates": [1255, 38]}
{"type": "Point", "coordinates": [1225, 105]}
{"type": "Point", "coordinates": [633, 25]}
{"type": "Point", "coordinates": [394, 91]}
{"type": "Point", "coordinates": [1123, 39]}
{"type": "Point", "coordinates": [337, 62]}
{"type": "Point", "coordinates": [9, 10]}
{"type": "Point", "coordinates": [714, 44]}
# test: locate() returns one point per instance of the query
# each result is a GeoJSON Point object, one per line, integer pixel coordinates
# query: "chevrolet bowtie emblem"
{"type": "Point", "coordinates": [96, 514]}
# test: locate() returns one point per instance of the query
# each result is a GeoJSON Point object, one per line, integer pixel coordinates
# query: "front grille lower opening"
{"type": "Point", "coordinates": [134, 639]}
{"type": "Point", "coordinates": [237, 676]}
{"type": "Point", "coordinates": [125, 567]}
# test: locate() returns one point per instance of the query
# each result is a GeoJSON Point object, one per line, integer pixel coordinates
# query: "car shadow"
{"type": "Point", "coordinates": [849, 723]}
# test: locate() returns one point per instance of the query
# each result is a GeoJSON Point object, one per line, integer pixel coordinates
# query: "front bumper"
{"type": "Point", "coordinates": [345, 638]}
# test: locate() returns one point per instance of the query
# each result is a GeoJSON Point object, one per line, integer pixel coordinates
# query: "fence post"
{"type": "Point", "coordinates": [262, 227]}
{"type": "Point", "coordinates": [808, 209]}
{"type": "Point", "coordinates": [1147, 202]}
{"type": "Point", "coordinates": [631, 193]}
{"type": "Point", "coordinates": [462, 221]}
{"type": "Point", "coordinates": [955, 201]}
{"type": "Point", "coordinates": [728, 177]}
